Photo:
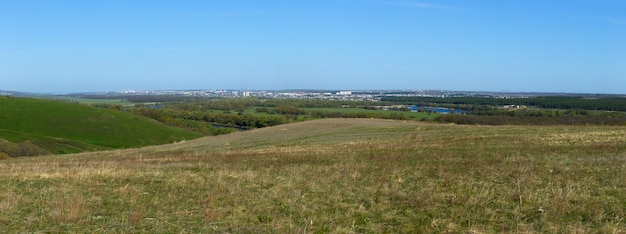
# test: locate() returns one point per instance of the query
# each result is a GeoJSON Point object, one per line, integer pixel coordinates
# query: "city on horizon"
{"type": "Point", "coordinates": [314, 92]}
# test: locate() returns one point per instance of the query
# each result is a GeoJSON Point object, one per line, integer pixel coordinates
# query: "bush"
{"type": "Point", "coordinates": [289, 110]}
{"type": "Point", "coordinates": [27, 148]}
{"type": "Point", "coordinates": [262, 110]}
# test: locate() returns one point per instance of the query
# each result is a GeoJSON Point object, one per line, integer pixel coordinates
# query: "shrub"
{"type": "Point", "coordinates": [289, 110]}
{"type": "Point", "coordinates": [27, 148]}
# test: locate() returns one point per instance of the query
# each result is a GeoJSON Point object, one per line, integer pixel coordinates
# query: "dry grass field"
{"type": "Point", "coordinates": [332, 175]}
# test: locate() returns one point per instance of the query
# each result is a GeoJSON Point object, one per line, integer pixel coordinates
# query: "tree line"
{"type": "Point", "coordinates": [206, 121]}
{"type": "Point", "coordinates": [530, 120]}
{"type": "Point", "coordinates": [551, 102]}
{"type": "Point", "coordinates": [209, 122]}
{"type": "Point", "coordinates": [219, 116]}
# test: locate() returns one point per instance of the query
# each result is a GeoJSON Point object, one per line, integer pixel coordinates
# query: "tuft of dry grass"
{"type": "Point", "coordinates": [68, 209]}
{"type": "Point", "coordinates": [338, 176]}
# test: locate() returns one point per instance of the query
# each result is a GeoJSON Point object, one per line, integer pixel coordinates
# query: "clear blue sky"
{"type": "Point", "coordinates": [111, 45]}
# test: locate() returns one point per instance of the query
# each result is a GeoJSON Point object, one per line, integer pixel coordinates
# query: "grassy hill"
{"type": "Point", "coordinates": [24, 144]}
{"type": "Point", "coordinates": [332, 175]}
{"type": "Point", "coordinates": [61, 127]}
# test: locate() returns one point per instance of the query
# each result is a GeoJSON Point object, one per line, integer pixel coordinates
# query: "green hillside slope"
{"type": "Point", "coordinates": [64, 127]}
{"type": "Point", "coordinates": [24, 144]}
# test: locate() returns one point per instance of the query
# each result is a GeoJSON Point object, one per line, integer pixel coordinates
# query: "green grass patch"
{"type": "Point", "coordinates": [49, 144]}
{"type": "Point", "coordinates": [91, 101]}
{"type": "Point", "coordinates": [92, 126]}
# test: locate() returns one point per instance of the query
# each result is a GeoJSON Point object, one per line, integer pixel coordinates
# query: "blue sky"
{"type": "Point", "coordinates": [503, 45]}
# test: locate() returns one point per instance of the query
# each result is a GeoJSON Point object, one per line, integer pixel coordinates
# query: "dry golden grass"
{"type": "Point", "coordinates": [340, 176]}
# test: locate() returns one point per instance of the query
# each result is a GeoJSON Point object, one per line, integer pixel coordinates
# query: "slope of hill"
{"type": "Point", "coordinates": [332, 176]}
{"type": "Point", "coordinates": [24, 144]}
{"type": "Point", "coordinates": [60, 127]}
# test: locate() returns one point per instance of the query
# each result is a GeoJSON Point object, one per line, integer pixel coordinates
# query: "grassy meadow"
{"type": "Point", "coordinates": [332, 175]}
{"type": "Point", "coordinates": [60, 127]}
{"type": "Point", "coordinates": [91, 101]}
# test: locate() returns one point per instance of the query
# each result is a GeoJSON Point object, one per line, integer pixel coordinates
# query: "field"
{"type": "Point", "coordinates": [61, 127]}
{"type": "Point", "coordinates": [332, 175]}
{"type": "Point", "coordinates": [91, 101]}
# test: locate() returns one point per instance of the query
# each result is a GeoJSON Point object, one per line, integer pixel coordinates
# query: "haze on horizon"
{"type": "Point", "coordinates": [574, 46]}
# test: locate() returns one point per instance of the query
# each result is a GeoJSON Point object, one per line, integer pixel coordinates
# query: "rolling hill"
{"type": "Point", "coordinates": [59, 127]}
{"type": "Point", "coordinates": [332, 176]}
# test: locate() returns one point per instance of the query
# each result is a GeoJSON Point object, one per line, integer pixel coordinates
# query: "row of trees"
{"type": "Point", "coordinates": [203, 115]}
{"type": "Point", "coordinates": [553, 110]}
{"type": "Point", "coordinates": [208, 122]}
{"type": "Point", "coordinates": [283, 110]}
{"type": "Point", "coordinates": [548, 113]}
{"type": "Point", "coordinates": [240, 104]}
{"type": "Point", "coordinates": [205, 121]}
{"type": "Point", "coordinates": [607, 103]}
{"type": "Point", "coordinates": [369, 115]}
{"type": "Point", "coordinates": [530, 120]}
{"type": "Point", "coordinates": [551, 102]}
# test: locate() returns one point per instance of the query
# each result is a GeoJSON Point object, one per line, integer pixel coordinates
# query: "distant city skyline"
{"type": "Point", "coordinates": [570, 46]}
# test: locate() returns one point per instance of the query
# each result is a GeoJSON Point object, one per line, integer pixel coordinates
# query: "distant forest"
{"type": "Point", "coordinates": [213, 116]}
{"type": "Point", "coordinates": [556, 102]}
{"type": "Point", "coordinates": [467, 103]}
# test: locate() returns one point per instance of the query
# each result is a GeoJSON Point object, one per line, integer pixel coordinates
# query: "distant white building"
{"type": "Point", "coordinates": [515, 107]}
{"type": "Point", "coordinates": [344, 93]}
